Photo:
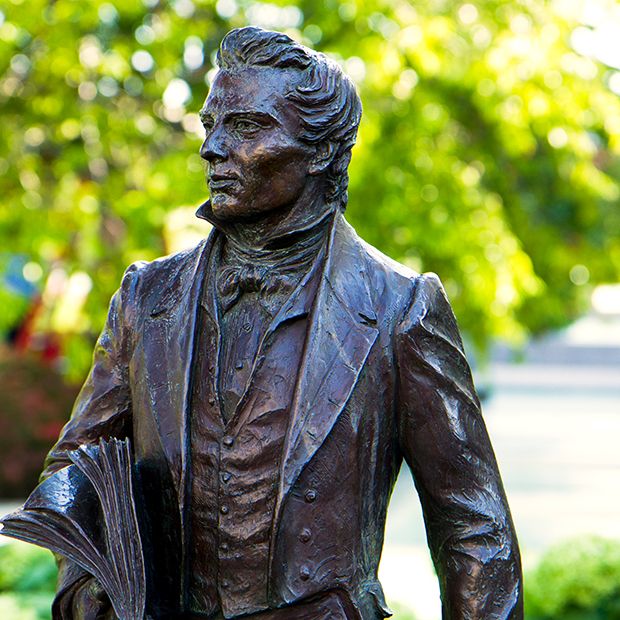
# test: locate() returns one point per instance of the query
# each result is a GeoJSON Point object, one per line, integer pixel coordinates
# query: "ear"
{"type": "Point", "coordinates": [323, 157]}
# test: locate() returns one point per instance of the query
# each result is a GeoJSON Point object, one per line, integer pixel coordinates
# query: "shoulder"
{"type": "Point", "coordinates": [425, 285]}
{"type": "Point", "coordinates": [145, 282]}
{"type": "Point", "coordinates": [411, 295]}
{"type": "Point", "coordinates": [161, 267]}
{"type": "Point", "coordinates": [391, 284]}
{"type": "Point", "coordinates": [429, 322]}
{"type": "Point", "coordinates": [379, 265]}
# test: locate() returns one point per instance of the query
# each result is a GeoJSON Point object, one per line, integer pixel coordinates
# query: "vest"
{"type": "Point", "coordinates": [235, 466]}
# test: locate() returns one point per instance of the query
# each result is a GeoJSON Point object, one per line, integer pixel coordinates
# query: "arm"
{"type": "Point", "coordinates": [102, 410]}
{"type": "Point", "coordinates": [103, 406]}
{"type": "Point", "coordinates": [445, 442]}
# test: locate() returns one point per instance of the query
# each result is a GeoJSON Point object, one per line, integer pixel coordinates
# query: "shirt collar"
{"type": "Point", "coordinates": [284, 232]}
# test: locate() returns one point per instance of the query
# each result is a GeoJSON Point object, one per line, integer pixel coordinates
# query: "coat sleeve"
{"type": "Point", "coordinates": [445, 443]}
{"type": "Point", "coordinates": [102, 410]}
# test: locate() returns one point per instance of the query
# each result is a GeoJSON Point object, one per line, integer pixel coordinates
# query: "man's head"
{"type": "Point", "coordinates": [278, 116]}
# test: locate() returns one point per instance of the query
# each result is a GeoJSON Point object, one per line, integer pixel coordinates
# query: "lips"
{"type": "Point", "coordinates": [221, 181]}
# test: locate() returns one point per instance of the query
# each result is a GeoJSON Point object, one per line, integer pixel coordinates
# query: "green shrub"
{"type": "Point", "coordinates": [27, 582]}
{"type": "Point", "coordinates": [26, 606]}
{"type": "Point", "coordinates": [576, 580]}
{"type": "Point", "coordinates": [26, 568]}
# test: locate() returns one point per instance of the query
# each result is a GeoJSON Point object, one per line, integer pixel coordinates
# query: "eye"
{"type": "Point", "coordinates": [246, 126]}
{"type": "Point", "coordinates": [207, 123]}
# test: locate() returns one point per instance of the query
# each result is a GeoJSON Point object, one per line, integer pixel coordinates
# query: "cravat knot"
{"type": "Point", "coordinates": [236, 280]}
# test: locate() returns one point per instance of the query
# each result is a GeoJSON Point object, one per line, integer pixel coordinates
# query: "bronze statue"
{"type": "Point", "coordinates": [273, 379]}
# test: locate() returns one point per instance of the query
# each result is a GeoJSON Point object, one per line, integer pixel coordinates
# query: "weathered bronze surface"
{"type": "Point", "coordinates": [273, 379]}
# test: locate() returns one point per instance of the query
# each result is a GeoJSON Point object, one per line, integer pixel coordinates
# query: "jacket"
{"type": "Point", "coordinates": [383, 378]}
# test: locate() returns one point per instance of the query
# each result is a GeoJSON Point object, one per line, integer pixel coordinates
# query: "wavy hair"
{"type": "Point", "coordinates": [325, 98]}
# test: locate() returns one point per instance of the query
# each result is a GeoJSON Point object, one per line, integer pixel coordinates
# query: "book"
{"type": "Point", "coordinates": [86, 513]}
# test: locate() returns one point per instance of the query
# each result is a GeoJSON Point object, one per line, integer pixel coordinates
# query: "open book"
{"type": "Point", "coordinates": [86, 512]}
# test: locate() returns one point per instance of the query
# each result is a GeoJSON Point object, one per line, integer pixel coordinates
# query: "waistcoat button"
{"type": "Point", "coordinates": [226, 476]}
{"type": "Point", "coordinates": [224, 509]}
{"type": "Point", "coordinates": [311, 495]}
{"type": "Point", "coordinates": [304, 573]}
{"type": "Point", "coordinates": [305, 535]}
{"type": "Point", "coordinates": [228, 441]}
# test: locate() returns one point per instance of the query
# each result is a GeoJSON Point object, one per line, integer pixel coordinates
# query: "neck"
{"type": "Point", "coordinates": [273, 231]}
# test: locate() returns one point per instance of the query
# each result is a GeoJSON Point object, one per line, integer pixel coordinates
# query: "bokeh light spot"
{"type": "Point", "coordinates": [579, 275]}
{"type": "Point", "coordinates": [177, 93]}
{"type": "Point", "coordinates": [468, 13]}
{"type": "Point", "coordinates": [142, 61]}
{"type": "Point", "coordinates": [226, 8]}
{"type": "Point", "coordinates": [32, 271]}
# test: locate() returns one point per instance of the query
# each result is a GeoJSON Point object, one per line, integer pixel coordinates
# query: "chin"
{"type": "Point", "coordinates": [234, 209]}
{"type": "Point", "coordinates": [225, 207]}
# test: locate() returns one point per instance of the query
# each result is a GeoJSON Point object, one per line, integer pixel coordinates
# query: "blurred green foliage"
{"type": "Point", "coordinates": [488, 151]}
{"type": "Point", "coordinates": [577, 580]}
{"type": "Point", "coordinates": [27, 582]}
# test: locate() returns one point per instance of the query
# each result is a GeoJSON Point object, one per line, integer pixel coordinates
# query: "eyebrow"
{"type": "Point", "coordinates": [206, 116]}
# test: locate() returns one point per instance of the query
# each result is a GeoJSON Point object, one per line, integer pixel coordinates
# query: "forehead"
{"type": "Point", "coordinates": [259, 89]}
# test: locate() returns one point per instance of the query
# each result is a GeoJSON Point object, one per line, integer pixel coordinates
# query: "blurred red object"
{"type": "Point", "coordinates": [35, 403]}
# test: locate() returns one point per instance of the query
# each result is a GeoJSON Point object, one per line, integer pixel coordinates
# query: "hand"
{"type": "Point", "coordinates": [90, 602]}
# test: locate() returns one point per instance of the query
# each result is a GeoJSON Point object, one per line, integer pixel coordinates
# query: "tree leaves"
{"type": "Point", "coordinates": [487, 152]}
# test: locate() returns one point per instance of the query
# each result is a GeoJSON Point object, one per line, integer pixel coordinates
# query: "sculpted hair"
{"type": "Point", "coordinates": [328, 104]}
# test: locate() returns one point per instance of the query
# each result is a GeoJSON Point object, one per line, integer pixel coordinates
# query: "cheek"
{"type": "Point", "coordinates": [273, 173]}
{"type": "Point", "coordinates": [283, 167]}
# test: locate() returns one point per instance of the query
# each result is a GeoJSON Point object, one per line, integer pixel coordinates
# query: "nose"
{"type": "Point", "coordinates": [214, 146]}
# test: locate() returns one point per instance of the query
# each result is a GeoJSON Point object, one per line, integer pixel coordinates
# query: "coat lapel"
{"type": "Point", "coordinates": [341, 334]}
{"type": "Point", "coordinates": [168, 341]}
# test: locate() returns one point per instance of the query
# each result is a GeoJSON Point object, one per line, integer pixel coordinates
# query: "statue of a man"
{"type": "Point", "coordinates": [273, 379]}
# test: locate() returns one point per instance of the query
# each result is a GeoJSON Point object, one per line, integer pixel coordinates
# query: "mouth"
{"type": "Point", "coordinates": [221, 182]}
